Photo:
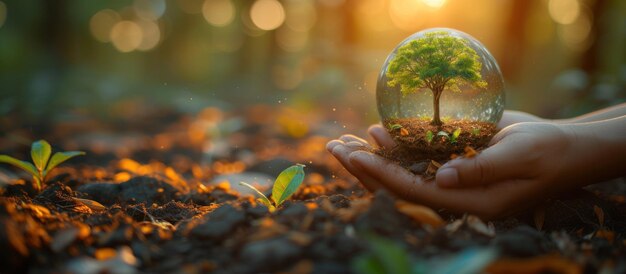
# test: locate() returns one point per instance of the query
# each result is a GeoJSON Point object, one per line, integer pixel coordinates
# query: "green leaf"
{"type": "Point", "coordinates": [61, 157]}
{"type": "Point", "coordinates": [367, 264]}
{"type": "Point", "coordinates": [395, 127]}
{"type": "Point", "coordinates": [287, 183]}
{"type": "Point", "coordinates": [26, 166]}
{"type": "Point", "coordinates": [263, 199]}
{"type": "Point", "coordinates": [429, 136]}
{"type": "Point", "coordinates": [475, 131]}
{"type": "Point", "coordinates": [388, 255]}
{"type": "Point", "coordinates": [40, 152]}
{"type": "Point", "coordinates": [443, 133]}
{"type": "Point", "coordinates": [455, 135]}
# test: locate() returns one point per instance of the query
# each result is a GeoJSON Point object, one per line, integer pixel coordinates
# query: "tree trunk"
{"type": "Point", "coordinates": [436, 120]}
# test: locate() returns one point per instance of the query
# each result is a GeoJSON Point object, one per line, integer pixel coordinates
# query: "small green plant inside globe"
{"type": "Point", "coordinates": [439, 92]}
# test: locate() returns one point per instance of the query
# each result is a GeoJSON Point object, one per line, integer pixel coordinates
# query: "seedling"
{"type": "Point", "coordinates": [285, 185]}
{"type": "Point", "coordinates": [475, 131]}
{"type": "Point", "coordinates": [40, 153]}
{"type": "Point", "coordinates": [455, 135]}
{"type": "Point", "coordinates": [429, 136]}
{"type": "Point", "coordinates": [395, 127]}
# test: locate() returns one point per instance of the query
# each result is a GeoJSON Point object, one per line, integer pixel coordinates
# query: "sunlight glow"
{"type": "Point", "coordinates": [564, 11]}
{"type": "Point", "coordinates": [406, 14]}
{"type": "Point", "coordinates": [218, 13]}
{"type": "Point", "coordinates": [434, 3]}
{"type": "Point", "coordinates": [267, 14]}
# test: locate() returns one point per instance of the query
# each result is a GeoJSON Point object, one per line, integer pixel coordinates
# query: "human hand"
{"type": "Point", "coordinates": [523, 165]}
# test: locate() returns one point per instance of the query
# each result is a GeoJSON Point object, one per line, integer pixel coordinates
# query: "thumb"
{"type": "Point", "coordinates": [497, 163]}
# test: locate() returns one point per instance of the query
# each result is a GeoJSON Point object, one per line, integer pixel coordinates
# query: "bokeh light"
{"type": "Point", "coordinates": [101, 24]}
{"type": "Point", "coordinates": [300, 15]}
{"type": "Point", "coordinates": [149, 9]}
{"type": "Point", "coordinates": [576, 35]}
{"type": "Point", "coordinates": [218, 13]}
{"type": "Point", "coordinates": [267, 14]}
{"type": "Point", "coordinates": [151, 35]}
{"type": "Point", "coordinates": [406, 14]}
{"type": "Point", "coordinates": [3, 13]}
{"type": "Point", "coordinates": [126, 36]}
{"type": "Point", "coordinates": [291, 40]}
{"type": "Point", "coordinates": [564, 11]}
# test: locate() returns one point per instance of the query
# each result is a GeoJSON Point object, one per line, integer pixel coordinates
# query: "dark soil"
{"type": "Point", "coordinates": [415, 150]}
{"type": "Point", "coordinates": [167, 213]}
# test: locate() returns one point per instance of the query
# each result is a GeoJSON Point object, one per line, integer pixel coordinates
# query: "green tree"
{"type": "Point", "coordinates": [437, 61]}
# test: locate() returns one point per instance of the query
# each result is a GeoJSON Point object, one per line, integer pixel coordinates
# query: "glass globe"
{"type": "Point", "coordinates": [439, 91]}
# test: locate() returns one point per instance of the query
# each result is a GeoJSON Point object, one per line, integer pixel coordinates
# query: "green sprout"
{"type": "Point", "coordinates": [40, 153]}
{"type": "Point", "coordinates": [285, 185]}
{"type": "Point", "coordinates": [395, 126]}
{"type": "Point", "coordinates": [455, 135]}
{"type": "Point", "coordinates": [429, 136]}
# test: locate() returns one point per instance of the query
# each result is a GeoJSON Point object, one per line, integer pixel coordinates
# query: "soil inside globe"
{"type": "Point", "coordinates": [419, 142]}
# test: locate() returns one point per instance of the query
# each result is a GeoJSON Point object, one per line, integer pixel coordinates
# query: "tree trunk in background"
{"type": "Point", "coordinates": [436, 120]}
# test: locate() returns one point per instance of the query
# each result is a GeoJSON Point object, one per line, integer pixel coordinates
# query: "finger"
{"type": "Point", "coordinates": [510, 117]}
{"type": "Point", "coordinates": [356, 142]}
{"type": "Point", "coordinates": [500, 162]}
{"type": "Point", "coordinates": [342, 154]}
{"type": "Point", "coordinates": [332, 144]}
{"type": "Point", "coordinates": [381, 136]}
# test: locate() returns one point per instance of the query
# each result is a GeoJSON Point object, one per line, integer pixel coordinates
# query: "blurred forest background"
{"type": "Point", "coordinates": [61, 59]}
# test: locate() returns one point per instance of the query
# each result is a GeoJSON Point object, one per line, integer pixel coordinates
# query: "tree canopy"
{"type": "Point", "coordinates": [437, 61]}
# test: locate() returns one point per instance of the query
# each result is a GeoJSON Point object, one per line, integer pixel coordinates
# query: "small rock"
{"type": "Point", "coordinates": [219, 222]}
{"type": "Point", "coordinates": [105, 193]}
{"type": "Point", "coordinates": [269, 254]}
{"type": "Point", "coordinates": [419, 168]}
{"type": "Point", "coordinates": [522, 241]}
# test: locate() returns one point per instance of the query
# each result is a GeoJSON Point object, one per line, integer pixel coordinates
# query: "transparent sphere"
{"type": "Point", "coordinates": [440, 88]}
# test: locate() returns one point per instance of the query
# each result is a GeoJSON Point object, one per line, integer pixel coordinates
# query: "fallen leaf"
{"type": "Point", "coordinates": [404, 132]}
{"type": "Point", "coordinates": [479, 226]}
{"type": "Point", "coordinates": [91, 204]}
{"type": "Point", "coordinates": [470, 152]}
{"type": "Point", "coordinates": [64, 238]}
{"type": "Point", "coordinates": [105, 253]}
{"type": "Point", "coordinates": [433, 166]}
{"type": "Point", "coordinates": [37, 210]}
{"type": "Point", "coordinates": [599, 213]}
{"type": "Point", "coordinates": [606, 234]}
{"type": "Point", "coordinates": [540, 264]}
{"type": "Point", "coordinates": [421, 214]}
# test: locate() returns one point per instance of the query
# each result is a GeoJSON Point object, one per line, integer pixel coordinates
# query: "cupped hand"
{"type": "Point", "coordinates": [521, 166]}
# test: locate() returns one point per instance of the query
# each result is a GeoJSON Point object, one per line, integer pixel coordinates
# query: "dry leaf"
{"type": "Point", "coordinates": [404, 132]}
{"type": "Point", "coordinates": [539, 217]}
{"type": "Point", "coordinates": [105, 253]}
{"type": "Point", "coordinates": [433, 166]}
{"type": "Point", "coordinates": [39, 211]}
{"type": "Point", "coordinates": [606, 234]}
{"type": "Point", "coordinates": [91, 204]}
{"type": "Point", "coordinates": [477, 225]}
{"type": "Point", "coordinates": [600, 214]}
{"type": "Point", "coordinates": [421, 214]}
{"type": "Point", "coordinates": [470, 152]}
{"type": "Point", "coordinates": [540, 264]}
